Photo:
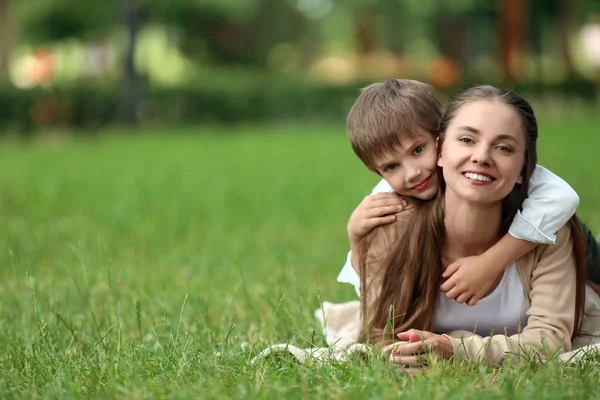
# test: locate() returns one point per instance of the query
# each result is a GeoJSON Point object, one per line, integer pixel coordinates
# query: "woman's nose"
{"type": "Point", "coordinates": [481, 155]}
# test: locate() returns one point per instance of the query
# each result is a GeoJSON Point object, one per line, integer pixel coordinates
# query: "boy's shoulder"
{"type": "Point", "coordinates": [382, 187]}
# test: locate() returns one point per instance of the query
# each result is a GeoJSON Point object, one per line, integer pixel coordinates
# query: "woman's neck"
{"type": "Point", "coordinates": [471, 228]}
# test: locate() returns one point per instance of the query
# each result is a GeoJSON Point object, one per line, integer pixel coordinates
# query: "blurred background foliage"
{"type": "Point", "coordinates": [88, 64]}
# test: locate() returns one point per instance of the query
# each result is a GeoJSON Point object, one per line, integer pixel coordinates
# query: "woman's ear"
{"type": "Point", "coordinates": [520, 179]}
{"type": "Point", "coordinates": [437, 145]}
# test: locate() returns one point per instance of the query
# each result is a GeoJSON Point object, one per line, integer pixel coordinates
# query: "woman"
{"type": "Point", "coordinates": [487, 153]}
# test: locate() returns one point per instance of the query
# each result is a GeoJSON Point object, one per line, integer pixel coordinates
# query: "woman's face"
{"type": "Point", "coordinates": [483, 151]}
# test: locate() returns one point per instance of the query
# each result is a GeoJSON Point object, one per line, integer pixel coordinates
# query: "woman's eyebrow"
{"type": "Point", "coordinates": [469, 129]}
{"type": "Point", "coordinates": [507, 137]}
{"type": "Point", "coordinates": [475, 131]}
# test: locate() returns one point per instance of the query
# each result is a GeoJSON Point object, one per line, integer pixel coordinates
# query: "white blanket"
{"type": "Point", "coordinates": [341, 327]}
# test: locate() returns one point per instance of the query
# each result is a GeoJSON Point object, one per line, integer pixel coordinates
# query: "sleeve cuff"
{"type": "Point", "coordinates": [349, 275]}
{"type": "Point", "coordinates": [523, 229]}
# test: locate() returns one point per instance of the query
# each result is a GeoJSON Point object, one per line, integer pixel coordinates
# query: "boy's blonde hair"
{"type": "Point", "coordinates": [385, 111]}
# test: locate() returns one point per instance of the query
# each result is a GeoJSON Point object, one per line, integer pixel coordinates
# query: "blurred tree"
{"type": "Point", "coordinates": [554, 22]}
{"type": "Point", "coordinates": [129, 89]}
{"type": "Point", "coordinates": [365, 26]}
{"type": "Point", "coordinates": [47, 21]}
{"type": "Point", "coordinates": [513, 23]}
{"type": "Point", "coordinates": [567, 13]}
{"type": "Point", "coordinates": [6, 37]}
{"type": "Point", "coordinates": [233, 32]}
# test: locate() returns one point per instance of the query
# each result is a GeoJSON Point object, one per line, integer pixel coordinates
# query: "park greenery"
{"type": "Point", "coordinates": [157, 260]}
{"type": "Point", "coordinates": [187, 61]}
{"type": "Point", "coordinates": [158, 265]}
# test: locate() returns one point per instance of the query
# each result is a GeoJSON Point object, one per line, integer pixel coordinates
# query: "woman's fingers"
{"type": "Point", "coordinates": [409, 361]}
{"type": "Point", "coordinates": [413, 348]}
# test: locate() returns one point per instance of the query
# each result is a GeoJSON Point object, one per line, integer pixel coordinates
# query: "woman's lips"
{"type": "Point", "coordinates": [478, 178]}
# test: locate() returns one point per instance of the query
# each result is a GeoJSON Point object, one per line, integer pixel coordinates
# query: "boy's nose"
{"type": "Point", "coordinates": [412, 176]}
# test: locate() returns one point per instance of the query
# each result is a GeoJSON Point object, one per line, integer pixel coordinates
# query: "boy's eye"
{"type": "Point", "coordinates": [418, 150]}
{"type": "Point", "coordinates": [505, 149]}
{"type": "Point", "coordinates": [391, 167]}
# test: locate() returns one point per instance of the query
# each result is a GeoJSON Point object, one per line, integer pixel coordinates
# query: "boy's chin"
{"type": "Point", "coordinates": [427, 195]}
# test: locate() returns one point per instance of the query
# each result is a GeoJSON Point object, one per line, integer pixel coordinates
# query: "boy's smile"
{"type": "Point", "coordinates": [410, 167]}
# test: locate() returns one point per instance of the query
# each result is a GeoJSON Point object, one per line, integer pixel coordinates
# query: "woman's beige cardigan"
{"type": "Point", "coordinates": [548, 277]}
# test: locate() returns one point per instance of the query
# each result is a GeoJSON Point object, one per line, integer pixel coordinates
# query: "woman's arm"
{"type": "Point", "coordinates": [551, 317]}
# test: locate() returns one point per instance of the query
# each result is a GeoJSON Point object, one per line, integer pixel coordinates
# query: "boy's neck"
{"type": "Point", "coordinates": [471, 228]}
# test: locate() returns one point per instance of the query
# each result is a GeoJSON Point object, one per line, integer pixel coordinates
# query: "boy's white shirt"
{"type": "Point", "coordinates": [549, 205]}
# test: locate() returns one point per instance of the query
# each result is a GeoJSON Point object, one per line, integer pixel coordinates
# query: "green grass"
{"type": "Point", "coordinates": [137, 266]}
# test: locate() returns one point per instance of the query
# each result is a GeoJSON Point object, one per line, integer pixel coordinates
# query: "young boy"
{"type": "Point", "coordinates": [393, 129]}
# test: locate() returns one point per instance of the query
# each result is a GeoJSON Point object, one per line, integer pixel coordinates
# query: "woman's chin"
{"type": "Point", "coordinates": [477, 195]}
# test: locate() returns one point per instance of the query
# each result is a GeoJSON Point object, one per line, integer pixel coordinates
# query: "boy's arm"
{"type": "Point", "coordinates": [549, 205]}
{"type": "Point", "coordinates": [469, 279]}
{"type": "Point", "coordinates": [349, 273]}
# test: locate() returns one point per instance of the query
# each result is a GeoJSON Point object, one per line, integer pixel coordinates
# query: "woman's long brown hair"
{"type": "Point", "coordinates": [402, 291]}
{"type": "Point", "coordinates": [579, 250]}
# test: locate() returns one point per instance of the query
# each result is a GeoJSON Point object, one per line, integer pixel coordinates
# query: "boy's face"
{"type": "Point", "coordinates": [410, 168]}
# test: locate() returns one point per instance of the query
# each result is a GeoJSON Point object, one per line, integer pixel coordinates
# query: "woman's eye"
{"type": "Point", "coordinates": [418, 150]}
{"type": "Point", "coordinates": [465, 140]}
{"type": "Point", "coordinates": [505, 149]}
{"type": "Point", "coordinates": [391, 167]}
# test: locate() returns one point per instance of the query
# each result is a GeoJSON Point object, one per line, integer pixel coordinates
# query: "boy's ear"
{"type": "Point", "coordinates": [439, 159]}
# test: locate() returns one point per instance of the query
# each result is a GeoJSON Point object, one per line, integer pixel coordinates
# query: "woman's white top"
{"type": "Point", "coordinates": [504, 311]}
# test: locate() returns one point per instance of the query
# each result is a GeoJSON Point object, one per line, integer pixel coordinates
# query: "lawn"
{"type": "Point", "coordinates": [158, 264]}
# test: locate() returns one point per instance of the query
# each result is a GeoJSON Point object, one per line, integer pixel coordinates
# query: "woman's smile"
{"type": "Point", "coordinates": [478, 178]}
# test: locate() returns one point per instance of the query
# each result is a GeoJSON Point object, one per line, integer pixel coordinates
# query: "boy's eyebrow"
{"type": "Point", "coordinates": [383, 164]}
{"type": "Point", "coordinates": [477, 132]}
{"type": "Point", "coordinates": [400, 149]}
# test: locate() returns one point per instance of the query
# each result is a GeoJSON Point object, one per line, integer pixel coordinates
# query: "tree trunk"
{"type": "Point", "coordinates": [6, 38]}
{"type": "Point", "coordinates": [365, 25]}
{"type": "Point", "coordinates": [129, 94]}
{"type": "Point", "coordinates": [513, 20]}
{"type": "Point", "coordinates": [450, 29]}
{"type": "Point", "coordinates": [566, 22]}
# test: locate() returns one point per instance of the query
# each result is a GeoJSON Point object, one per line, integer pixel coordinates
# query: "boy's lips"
{"type": "Point", "coordinates": [423, 185]}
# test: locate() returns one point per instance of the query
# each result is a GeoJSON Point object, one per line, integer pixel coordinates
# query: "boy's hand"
{"type": "Point", "coordinates": [374, 210]}
{"type": "Point", "coordinates": [469, 279]}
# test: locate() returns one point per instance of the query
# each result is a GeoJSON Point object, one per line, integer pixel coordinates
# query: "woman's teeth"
{"type": "Point", "coordinates": [477, 177]}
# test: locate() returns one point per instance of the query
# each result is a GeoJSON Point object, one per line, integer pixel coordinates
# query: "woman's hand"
{"type": "Point", "coordinates": [418, 347]}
